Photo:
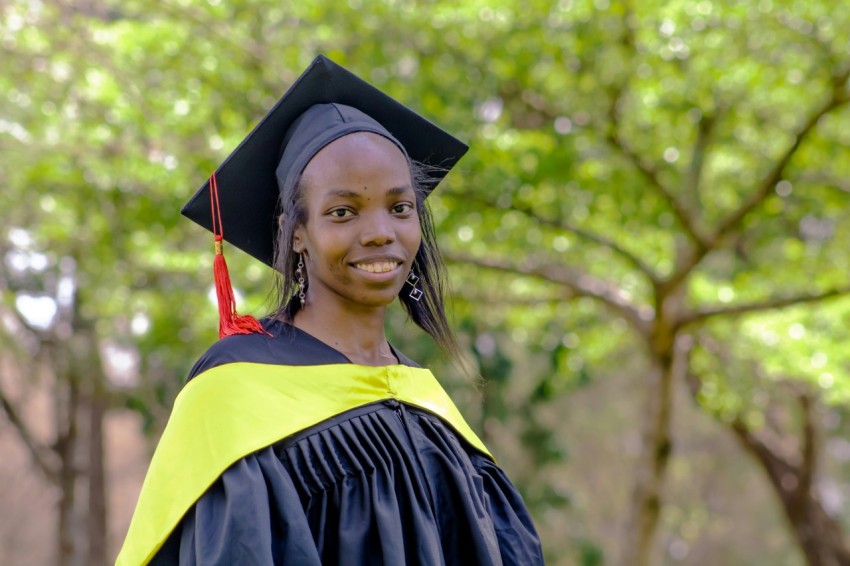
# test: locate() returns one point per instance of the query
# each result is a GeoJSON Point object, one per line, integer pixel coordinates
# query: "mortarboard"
{"type": "Point", "coordinates": [241, 200]}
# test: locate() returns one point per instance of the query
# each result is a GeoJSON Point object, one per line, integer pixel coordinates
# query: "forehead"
{"type": "Point", "coordinates": [356, 155]}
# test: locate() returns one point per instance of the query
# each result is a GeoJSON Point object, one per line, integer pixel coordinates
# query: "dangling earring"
{"type": "Point", "coordinates": [412, 280]}
{"type": "Point", "coordinates": [302, 283]}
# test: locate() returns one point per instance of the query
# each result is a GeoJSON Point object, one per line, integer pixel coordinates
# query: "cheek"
{"type": "Point", "coordinates": [413, 237]}
{"type": "Point", "coordinates": [412, 244]}
{"type": "Point", "coordinates": [328, 249]}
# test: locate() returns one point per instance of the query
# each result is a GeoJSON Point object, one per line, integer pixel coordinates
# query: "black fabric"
{"type": "Point", "coordinates": [283, 344]}
{"type": "Point", "coordinates": [312, 131]}
{"type": "Point", "coordinates": [385, 484]}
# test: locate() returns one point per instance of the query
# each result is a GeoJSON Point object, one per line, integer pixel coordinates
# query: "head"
{"type": "Point", "coordinates": [264, 176]}
{"type": "Point", "coordinates": [358, 206]}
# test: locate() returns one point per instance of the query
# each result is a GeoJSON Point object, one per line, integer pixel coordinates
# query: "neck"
{"type": "Point", "coordinates": [359, 335]}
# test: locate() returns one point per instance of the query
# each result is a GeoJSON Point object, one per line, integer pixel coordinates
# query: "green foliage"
{"type": "Point", "coordinates": [591, 555]}
{"type": "Point", "coordinates": [112, 113]}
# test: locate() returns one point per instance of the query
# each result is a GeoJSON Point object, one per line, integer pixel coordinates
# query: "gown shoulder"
{"type": "Point", "coordinates": [281, 344]}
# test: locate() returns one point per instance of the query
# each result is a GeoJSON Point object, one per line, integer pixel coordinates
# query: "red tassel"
{"type": "Point", "coordinates": [229, 321]}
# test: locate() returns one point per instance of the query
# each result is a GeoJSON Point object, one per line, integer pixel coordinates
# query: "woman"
{"type": "Point", "coordinates": [309, 439]}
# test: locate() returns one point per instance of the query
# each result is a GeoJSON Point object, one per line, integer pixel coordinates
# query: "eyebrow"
{"type": "Point", "coordinates": [346, 193]}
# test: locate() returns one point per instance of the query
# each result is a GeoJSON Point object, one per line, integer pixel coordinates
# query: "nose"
{"type": "Point", "coordinates": [378, 230]}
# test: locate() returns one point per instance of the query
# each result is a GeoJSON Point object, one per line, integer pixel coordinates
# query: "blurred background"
{"type": "Point", "coordinates": [648, 245]}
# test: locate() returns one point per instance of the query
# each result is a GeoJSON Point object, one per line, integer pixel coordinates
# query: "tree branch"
{"type": "Point", "coordinates": [765, 187]}
{"type": "Point", "coordinates": [770, 457]}
{"type": "Point", "coordinates": [36, 451]}
{"type": "Point", "coordinates": [826, 180]}
{"type": "Point", "coordinates": [648, 171]}
{"type": "Point", "coordinates": [809, 449]}
{"type": "Point", "coordinates": [776, 466]}
{"type": "Point", "coordinates": [581, 284]}
{"type": "Point", "coordinates": [700, 315]}
{"type": "Point", "coordinates": [705, 129]}
{"type": "Point", "coordinates": [514, 301]}
{"type": "Point", "coordinates": [253, 50]}
{"type": "Point", "coordinates": [586, 235]}
{"type": "Point", "coordinates": [768, 182]}
{"type": "Point", "coordinates": [812, 36]}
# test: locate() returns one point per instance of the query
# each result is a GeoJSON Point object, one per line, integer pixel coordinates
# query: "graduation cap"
{"type": "Point", "coordinates": [241, 201]}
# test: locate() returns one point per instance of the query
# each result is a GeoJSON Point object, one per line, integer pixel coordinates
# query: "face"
{"type": "Point", "coordinates": [362, 230]}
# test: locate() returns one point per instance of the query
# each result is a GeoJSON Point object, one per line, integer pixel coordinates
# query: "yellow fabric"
{"type": "Point", "coordinates": [235, 409]}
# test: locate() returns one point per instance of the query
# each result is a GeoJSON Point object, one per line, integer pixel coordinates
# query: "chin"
{"type": "Point", "coordinates": [376, 299]}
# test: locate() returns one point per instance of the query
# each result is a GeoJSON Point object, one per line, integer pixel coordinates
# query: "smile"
{"type": "Point", "coordinates": [378, 267]}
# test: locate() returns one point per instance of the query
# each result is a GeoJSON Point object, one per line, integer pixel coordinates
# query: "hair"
{"type": "Point", "coordinates": [428, 313]}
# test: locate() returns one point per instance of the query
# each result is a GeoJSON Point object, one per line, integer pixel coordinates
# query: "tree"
{"type": "Point", "coordinates": [690, 160]}
{"type": "Point", "coordinates": [653, 177]}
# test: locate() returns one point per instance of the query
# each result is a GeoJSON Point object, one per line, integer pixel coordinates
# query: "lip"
{"type": "Point", "coordinates": [378, 276]}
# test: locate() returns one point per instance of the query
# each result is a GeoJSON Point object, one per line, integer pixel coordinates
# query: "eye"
{"type": "Point", "coordinates": [402, 208]}
{"type": "Point", "coordinates": [340, 212]}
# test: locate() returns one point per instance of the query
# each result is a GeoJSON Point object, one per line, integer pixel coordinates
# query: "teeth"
{"type": "Point", "coordinates": [380, 267]}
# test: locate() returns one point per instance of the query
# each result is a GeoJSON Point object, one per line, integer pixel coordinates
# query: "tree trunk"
{"type": "Point", "coordinates": [668, 362]}
{"type": "Point", "coordinates": [66, 448]}
{"type": "Point", "coordinates": [650, 470]}
{"type": "Point", "coordinates": [818, 534]}
{"type": "Point", "coordinates": [97, 528]}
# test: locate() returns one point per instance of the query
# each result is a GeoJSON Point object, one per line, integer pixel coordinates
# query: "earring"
{"type": "Point", "coordinates": [412, 280]}
{"type": "Point", "coordinates": [302, 283]}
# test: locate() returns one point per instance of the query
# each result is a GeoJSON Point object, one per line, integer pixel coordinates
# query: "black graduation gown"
{"type": "Point", "coordinates": [385, 484]}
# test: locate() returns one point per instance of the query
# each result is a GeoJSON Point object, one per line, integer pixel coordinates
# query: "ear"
{"type": "Point", "coordinates": [298, 240]}
{"type": "Point", "coordinates": [297, 235]}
